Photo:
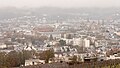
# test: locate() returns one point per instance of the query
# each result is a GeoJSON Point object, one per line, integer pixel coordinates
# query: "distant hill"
{"type": "Point", "coordinates": [92, 13]}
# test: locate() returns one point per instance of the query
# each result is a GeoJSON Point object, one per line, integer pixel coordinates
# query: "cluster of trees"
{"type": "Point", "coordinates": [46, 55]}
{"type": "Point", "coordinates": [13, 58]}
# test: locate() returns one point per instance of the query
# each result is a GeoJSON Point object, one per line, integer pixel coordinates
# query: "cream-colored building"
{"type": "Point", "coordinates": [78, 41]}
{"type": "Point", "coordinates": [87, 42]}
{"type": "Point", "coordinates": [34, 62]}
{"type": "Point", "coordinates": [3, 46]}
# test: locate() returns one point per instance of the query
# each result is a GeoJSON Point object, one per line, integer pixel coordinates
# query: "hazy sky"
{"type": "Point", "coordinates": [60, 3]}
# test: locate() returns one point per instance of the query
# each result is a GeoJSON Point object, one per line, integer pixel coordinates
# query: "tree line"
{"type": "Point", "coordinates": [13, 58]}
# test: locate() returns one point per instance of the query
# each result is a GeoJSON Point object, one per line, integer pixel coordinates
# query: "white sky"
{"type": "Point", "coordinates": [60, 3]}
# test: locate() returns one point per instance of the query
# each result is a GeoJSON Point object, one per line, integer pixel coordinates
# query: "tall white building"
{"type": "Point", "coordinates": [87, 42]}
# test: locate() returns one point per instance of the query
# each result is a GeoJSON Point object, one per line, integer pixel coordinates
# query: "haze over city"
{"type": "Point", "coordinates": [60, 3]}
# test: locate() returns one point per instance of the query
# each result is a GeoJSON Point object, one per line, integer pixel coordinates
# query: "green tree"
{"type": "Point", "coordinates": [12, 59]}
{"type": "Point", "coordinates": [74, 58]}
{"type": "Point", "coordinates": [62, 42]}
{"type": "Point", "coordinates": [2, 59]}
{"type": "Point", "coordinates": [46, 55]}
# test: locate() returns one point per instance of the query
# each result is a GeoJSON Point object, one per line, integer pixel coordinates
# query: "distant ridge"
{"type": "Point", "coordinates": [93, 13]}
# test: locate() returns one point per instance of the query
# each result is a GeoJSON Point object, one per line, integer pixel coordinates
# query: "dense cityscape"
{"type": "Point", "coordinates": [60, 38]}
{"type": "Point", "coordinates": [33, 40]}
